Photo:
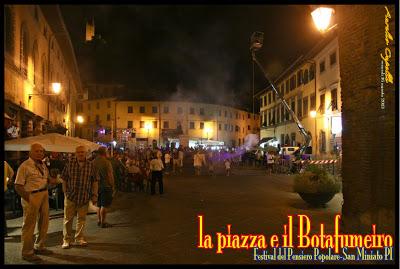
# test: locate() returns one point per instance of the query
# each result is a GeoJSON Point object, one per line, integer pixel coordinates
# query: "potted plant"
{"type": "Point", "coordinates": [316, 186]}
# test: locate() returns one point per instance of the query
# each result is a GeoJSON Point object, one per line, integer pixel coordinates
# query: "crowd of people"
{"type": "Point", "coordinates": [82, 181]}
{"type": "Point", "coordinates": [97, 177]}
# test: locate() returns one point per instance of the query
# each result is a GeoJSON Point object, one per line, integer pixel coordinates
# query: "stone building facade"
{"type": "Point", "coordinates": [166, 121]}
{"type": "Point", "coordinates": [38, 52]}
{"type": "Point", "coordinates": [311, 87]}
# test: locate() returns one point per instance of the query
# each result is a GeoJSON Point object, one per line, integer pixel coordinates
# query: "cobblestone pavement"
{"type": "Point", "coordinates": [164, 229]}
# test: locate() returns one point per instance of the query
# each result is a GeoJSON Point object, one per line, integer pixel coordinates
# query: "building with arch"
{"type": "Point", "coordinates": [38, 52]}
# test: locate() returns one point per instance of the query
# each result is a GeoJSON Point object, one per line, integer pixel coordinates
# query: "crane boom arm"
{"type": "Point", "coordinates": [303, 132]}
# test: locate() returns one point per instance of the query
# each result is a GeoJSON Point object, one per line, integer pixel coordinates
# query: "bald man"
{"type": "Point", "coordinates": [81, 186]}
{"type": "Point", "coordinates": [31, 184]}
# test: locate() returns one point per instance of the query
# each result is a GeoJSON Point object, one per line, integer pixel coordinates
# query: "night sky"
{"type": "Point", "coordinates": [194, 52]}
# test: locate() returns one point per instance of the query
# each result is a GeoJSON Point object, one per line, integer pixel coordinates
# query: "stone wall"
{"type": "Point", "coordinates": [368, 130]}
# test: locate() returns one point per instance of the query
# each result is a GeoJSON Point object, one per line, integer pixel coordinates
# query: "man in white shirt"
{"type": "Point", "coordinates": [31, 184]}
{"type": "Point", "coordinates": [197, 163]}
{"type": "Point", "coordinates": [156, 167]}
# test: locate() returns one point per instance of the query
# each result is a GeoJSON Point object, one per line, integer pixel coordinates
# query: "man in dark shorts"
{"type": "Point", "coordinates": [106, 186]}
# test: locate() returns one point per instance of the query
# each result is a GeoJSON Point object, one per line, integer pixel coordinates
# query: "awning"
{"type": "Point", "coordinates": [211, 142]}
{"type": "Point", "coordinates": [12, 107]}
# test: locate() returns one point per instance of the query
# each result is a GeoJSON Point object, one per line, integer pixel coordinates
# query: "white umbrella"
{"type": "Point", "coordinates": [90, 145]}
{"type": "Point", "coordinates": [51, 142]}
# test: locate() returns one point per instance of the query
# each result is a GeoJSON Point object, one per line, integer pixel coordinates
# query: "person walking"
{"type": "Point", "coordinates": [106, 186]}
{"type": "Point", "coordinates": [203, 160]}
{"type": "Point", "coordinates": [81, 186]}
{"type": "Point", "coordinates": [31, 184]}
{"type": "Point", "coordinates": [156, 167]}
{"type": "Point", "coordinates": [8, 175]}
{"type": "Point", "coordinates": [270, 162]}
{"type": "Point", "coordinates": [175, 161]}
{"type": "Point", "coordinates": [227, 163]}
{"type": "Point", "coordinates": [180, 159]}
{"type": "Point", "coordinates": [197, 163]}
{"type": "Point", "coordinates": [211, 167]}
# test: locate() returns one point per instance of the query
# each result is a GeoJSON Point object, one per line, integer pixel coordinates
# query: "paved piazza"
{"type": "Point", "coordinates": [164, 229]}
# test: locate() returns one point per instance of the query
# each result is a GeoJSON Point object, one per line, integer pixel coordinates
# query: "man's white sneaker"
{"type": "Point", "coordinates": [65, 245]}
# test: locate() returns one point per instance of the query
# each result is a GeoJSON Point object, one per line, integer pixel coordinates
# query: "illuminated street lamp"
{"type": "Point", "coordinates": [322, 18]}
{"type": "Point", "coordinates": [80, 119]}
{"type": "Point", "coordinates": [313, 114]}
{"type": "Point", "coordinates": [56, 87]}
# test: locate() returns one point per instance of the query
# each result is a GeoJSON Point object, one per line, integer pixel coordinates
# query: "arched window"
{"type": "Point", "coordinates": [24, 49]}
{"type": "Point", "coordinates": [8, 30]}
{"type": "Point", "coordinates": [35, 63]}
{"type": "Point", "coordinates": [43, 72]}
